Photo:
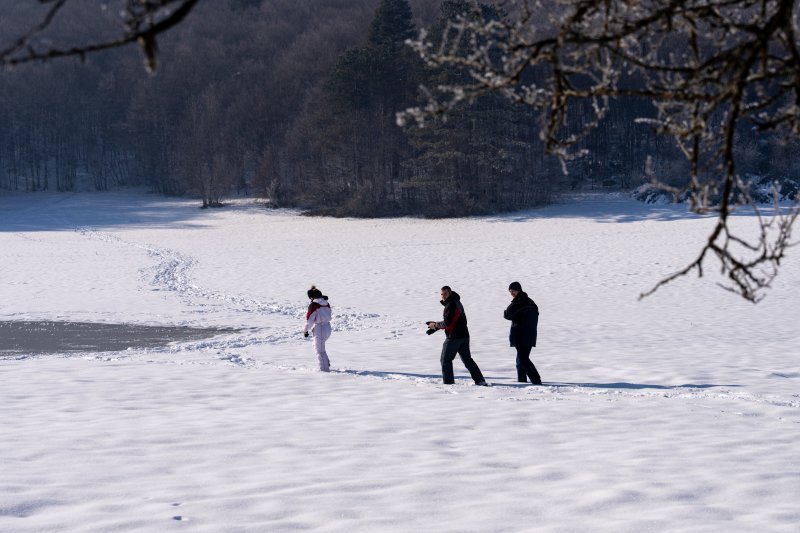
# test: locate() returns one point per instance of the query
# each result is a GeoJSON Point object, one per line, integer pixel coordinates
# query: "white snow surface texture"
{"type": "Point", "coordinates": [680, 412]}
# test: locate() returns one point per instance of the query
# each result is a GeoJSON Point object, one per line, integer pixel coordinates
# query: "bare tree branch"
{"type": "Point", "coordinates": [707, 66]}
{"type": "Point", "coordinates": [142, 21]}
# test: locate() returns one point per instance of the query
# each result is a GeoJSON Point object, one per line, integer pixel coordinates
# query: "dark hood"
{"type": "Point", "coordinates": [454, 297]}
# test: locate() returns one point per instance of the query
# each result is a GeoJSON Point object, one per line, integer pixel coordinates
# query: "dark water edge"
{"type": "Point", "coordinates": [19, 338]}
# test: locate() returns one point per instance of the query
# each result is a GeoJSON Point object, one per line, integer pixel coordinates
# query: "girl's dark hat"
{"type": "Point", "coordinates": [314, 292]}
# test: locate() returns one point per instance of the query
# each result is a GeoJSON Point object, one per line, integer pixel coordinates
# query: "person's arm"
{"type": "Point", "coordinates": [446, 315]}
{"type": "Point", "coordinates": [517, 315]}
{"type": "Point", "coordinates": [311, 318]}
{"type": "Point", "coordinates": [510, 310]}
{"type": "Point", "coordinates": [451, 314]}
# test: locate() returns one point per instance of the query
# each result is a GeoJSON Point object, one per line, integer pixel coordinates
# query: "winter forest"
{"type": "Point", "coordinates": [297, 102]}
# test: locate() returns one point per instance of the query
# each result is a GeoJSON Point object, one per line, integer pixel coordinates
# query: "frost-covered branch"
{"type": "Point", "coordinates": [709, 67]}
{"type": "Point", "coordinates": [142, 21]}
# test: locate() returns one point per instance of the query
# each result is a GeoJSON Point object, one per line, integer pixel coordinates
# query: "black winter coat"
{"type": "Point", "coordinates": [455, 319]}
{"type": "Point", "coordinates": [524, 316]}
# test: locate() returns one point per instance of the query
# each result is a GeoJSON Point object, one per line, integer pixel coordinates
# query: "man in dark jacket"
{"type": "Point", "coordinates": [524, 316]}
{"type": "Point", "coordinates": [457, 338]}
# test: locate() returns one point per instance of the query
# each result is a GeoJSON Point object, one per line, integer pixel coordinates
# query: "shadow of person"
{"type": "Point", "coordinates": [634, 386]}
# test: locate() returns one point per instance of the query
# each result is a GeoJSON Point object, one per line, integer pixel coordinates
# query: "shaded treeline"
{"type": "Point", "coordinates": [296, 101]}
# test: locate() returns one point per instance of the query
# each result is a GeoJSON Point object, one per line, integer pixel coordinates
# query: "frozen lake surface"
{"type": "Point", "coordinates": [49, 337]}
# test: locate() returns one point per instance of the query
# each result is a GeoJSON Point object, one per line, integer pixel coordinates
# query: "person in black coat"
{"type": "Point", "coordinates": [456, 338]}
{"type": "Point", "coordinates": [524, 316]}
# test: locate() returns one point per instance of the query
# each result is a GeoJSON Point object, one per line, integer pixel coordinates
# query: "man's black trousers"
{"type": "Point", "coordinates": [450, 348]}
{"type": "Point", "coordinates": [525, 367]}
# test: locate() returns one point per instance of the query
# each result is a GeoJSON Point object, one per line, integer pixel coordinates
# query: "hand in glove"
{"type": "Point", "coordinates": [305, 334]}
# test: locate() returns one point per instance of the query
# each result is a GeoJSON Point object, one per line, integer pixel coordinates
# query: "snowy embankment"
{"type": "Point", "coordinates": [680, 412]}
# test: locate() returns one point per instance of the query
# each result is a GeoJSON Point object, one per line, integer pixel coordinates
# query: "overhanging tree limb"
{"type": "Point", "coordinates": [143, 21]}
{"type": "Point", "coordinates": [708, 66]}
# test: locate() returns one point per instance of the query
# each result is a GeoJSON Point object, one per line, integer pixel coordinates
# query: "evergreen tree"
{"type": "Point", "coordinates": [358, 145]}
{"type": "Point", "coordinates": [482, 158]}
{"type": "Point", "coordinates": [393, 24]}
{"type": "Point", "coordinates": [379, 73]}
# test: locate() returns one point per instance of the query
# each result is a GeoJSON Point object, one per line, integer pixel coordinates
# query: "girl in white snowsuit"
{"type": "Point", "coordinates": [318, 321]}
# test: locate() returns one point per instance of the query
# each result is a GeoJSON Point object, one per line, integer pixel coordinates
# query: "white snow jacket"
{"type": "Point", "coordinates": [319, 312]}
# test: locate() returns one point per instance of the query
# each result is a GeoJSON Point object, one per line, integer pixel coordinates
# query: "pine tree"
{"type": "Point", "coordinates": [393, 24]}
{"type": "Point", "coordinates": [482, 158]}
{"type": "Point", "coordinates": [362, 148]}
{"type": "Point", "coordinates": [378, 74]}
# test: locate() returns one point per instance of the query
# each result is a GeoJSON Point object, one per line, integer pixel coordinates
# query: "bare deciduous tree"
{"type": "Point", "coordinates": [710, 67]}
{"type": "Point", "coordinates": [142, 21]}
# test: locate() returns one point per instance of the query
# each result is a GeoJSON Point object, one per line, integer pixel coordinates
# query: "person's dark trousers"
{"type": "Point", "coordinates": [527, 366]}
{"type": "Point", "coordinates": [450, 348]}
{"type": "Point", "coordinates": [522, 377]}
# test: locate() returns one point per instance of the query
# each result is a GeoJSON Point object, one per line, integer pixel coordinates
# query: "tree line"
{"type": "Point", "coordinates": [297, 102]}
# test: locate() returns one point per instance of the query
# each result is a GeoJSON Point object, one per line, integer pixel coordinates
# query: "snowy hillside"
{"type": "Point", "coordinates": [680, 412]}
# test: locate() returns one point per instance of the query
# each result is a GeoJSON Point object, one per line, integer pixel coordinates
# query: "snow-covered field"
{"type": "Point", "coordinates": [680, 412]}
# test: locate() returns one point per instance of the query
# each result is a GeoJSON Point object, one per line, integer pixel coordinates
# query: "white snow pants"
{"type": "Point", "coordinates": [322, 333]}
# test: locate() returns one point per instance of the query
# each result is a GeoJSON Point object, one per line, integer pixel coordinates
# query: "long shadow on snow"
{"type": "Point", "coordinates": [618, 385]}
{"type": "Point", "coordinates": [380, 374]}
{"type": "Point", "coordinates": [624, 385]}
{"type": "Point", "coordinates": [384, 374]}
